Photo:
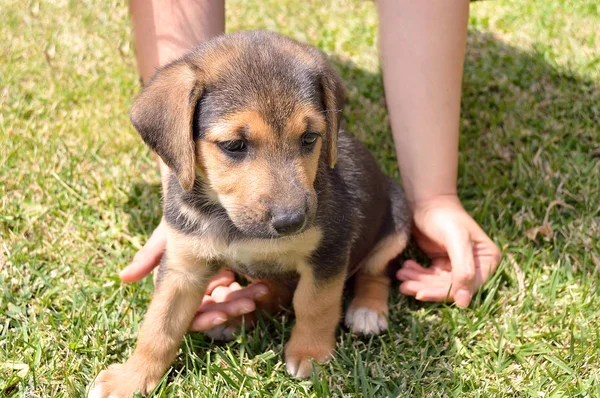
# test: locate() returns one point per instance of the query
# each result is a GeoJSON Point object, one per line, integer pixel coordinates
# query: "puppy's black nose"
{"type": "Point", "coordinates": [287, 221]}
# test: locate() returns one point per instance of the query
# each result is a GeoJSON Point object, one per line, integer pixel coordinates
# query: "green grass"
{"type": "Point", "coordinates": [79, 195]}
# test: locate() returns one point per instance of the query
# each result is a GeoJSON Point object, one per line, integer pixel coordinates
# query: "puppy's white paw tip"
{"type": "Point", "coordinates": [96, 392]}
{"type": "Point", "coordinates": [365, 321]}
{"type": "Point", "coordinates": [298, 368]}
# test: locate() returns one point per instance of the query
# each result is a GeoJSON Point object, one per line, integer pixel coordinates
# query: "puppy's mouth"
{"type": "Point", "coordinates": [291, 235]}
{"type": "Point", "coordinates": [267, 231]}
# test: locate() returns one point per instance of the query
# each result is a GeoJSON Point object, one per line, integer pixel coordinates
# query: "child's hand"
{"type": "Point", "coordinates": [462, 256]}
{"type": "Point", "coordinates": [224, 297]}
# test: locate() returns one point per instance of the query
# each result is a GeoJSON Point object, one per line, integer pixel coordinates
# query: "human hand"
{"type": "Point", "coordinates": [224, 297]}
{"type": "Point", "coordinates": [462, 256]}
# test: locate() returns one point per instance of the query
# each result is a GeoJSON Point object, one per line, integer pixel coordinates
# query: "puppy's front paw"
{"type": "Point", "coordinates": [120, 381]}
{"type": "Point", "coordinates": [299, 357]}
{"type": "Point", "coordinates": [365, 321]}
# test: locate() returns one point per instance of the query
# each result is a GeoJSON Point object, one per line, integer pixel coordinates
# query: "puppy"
{"type": "Point", "coordinates": [262, 181]}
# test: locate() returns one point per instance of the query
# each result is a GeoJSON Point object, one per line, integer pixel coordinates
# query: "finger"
{"type": "Point", "coordinates": [147, 258]}
{"type": "Point", "coordinates": [460, 252]}
{"type": "Point", "coordinates": [426, 291]}
{"type": "Point", "coordinates": [407, 274]}
{"type": "Point", "coordinates": [235, 286]}
{"type": "Point", "coordinates": [439, 265]}
{"type": "Point", "coordinates": [410, 288]}
{"type": "Point", "coordinates": [434, 274]}
{"type": "Point", "coordinates": [220, 293]}
{"type": "Point", "coordinates": [252, 292]}
{"type": "Point", "coordinates": [207, 320]}
{"type": "Point", "coordinates": [206, 300]}
{"type": "Point", "coordinates": [434, 293]}
{"type": "Point", "coordinates": [412, 264]}
{"type": "Point", "coordinates": [232, 309]}
{"type": "Point", "coordinates": [223, 278]}
{"type": "Point", "coordinates": [484, 271]}
{"type": "Point", "coordinates": [486, 252]}
{"type": "Point", "coordinates": [487, 257]}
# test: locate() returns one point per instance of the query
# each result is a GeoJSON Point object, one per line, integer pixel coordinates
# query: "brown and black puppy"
{"type": "Point", "coordinates": [264, 182]}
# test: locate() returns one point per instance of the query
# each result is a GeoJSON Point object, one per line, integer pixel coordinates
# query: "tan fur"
{"type": "Point", "coordinates": [318, 309]}
{"type": "Point", "coordinates": [300, 121]}
{"type": "Point", "coordinates": [303, 116]}
{"type": "Point", "coordinates": [384, 251]}
{"type": "Point", "coordinates": [288, 251]}
{"type": "Point", "coordinates": [372, 287]}
{"type": "Point", "coordinates": [244, 185]}
{"type": "Point", "coordinates": [179, 292]}
{"type": "Point", "coordinates": [372, 292]}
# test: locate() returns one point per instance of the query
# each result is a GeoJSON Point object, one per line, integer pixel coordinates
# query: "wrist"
{"type": "Point", "coordinates": [424, 184]}
{"type": "Point", "coordinates": [427, 202]}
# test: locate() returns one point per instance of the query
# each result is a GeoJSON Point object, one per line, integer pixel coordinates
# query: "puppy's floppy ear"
{"type": "Point", "coordinates": [333, 98]}
{"type": "Point", "coordinates": [163, 114]}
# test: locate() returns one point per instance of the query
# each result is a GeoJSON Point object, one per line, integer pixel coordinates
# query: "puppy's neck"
{"type": "Point", "coordinates": [196, 211]}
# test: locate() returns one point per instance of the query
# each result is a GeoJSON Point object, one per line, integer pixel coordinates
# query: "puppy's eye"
{"type": "Point", "coordinates": [309, 139]}
{"type": "Point", "coordinates": [236, 146]}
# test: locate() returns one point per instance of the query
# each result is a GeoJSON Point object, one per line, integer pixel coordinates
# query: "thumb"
{"type": "Point", "coordinates": [146, 259]}
{"type": "Point", "coordinates": [460, 252]}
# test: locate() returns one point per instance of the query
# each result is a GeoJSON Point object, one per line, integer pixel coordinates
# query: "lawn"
{"type": "Point", "coordinates": [79, 195]}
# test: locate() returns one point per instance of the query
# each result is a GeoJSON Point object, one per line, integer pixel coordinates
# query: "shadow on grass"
{"type": "Point", "coordinates": [528, 134]}
{"type": "Point", "coordinates": [144, 207]}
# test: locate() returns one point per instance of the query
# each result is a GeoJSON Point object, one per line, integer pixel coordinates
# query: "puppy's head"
{"type": "Point", "coordinates": [255, 115]}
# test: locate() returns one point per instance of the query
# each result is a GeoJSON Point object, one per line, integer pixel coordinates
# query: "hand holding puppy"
{"type": "Point", "coordinates": [224, 298]}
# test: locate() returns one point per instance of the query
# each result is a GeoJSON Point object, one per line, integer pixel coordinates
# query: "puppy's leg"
{"type": "Point", "coordinates": [368, 310]}
{"type": "Point", "coordinates": [317, 305]}
{"type": "Point", "coordinates": [278, 298]}
{"type": "Point", "coordinates": [180, 289]}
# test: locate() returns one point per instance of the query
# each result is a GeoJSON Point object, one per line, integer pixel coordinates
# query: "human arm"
{"type": "Point", "coordinates": [422, 50]}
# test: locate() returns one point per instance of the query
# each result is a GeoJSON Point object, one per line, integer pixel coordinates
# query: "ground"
{"type": "Point", "coordinates": [79, 195]}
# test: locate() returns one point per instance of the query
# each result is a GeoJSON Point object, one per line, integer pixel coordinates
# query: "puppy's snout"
{"type": "Point", "coordinates": [288, 221]}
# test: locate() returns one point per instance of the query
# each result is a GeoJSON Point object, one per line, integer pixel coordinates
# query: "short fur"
{"type": "Point", "coordinates": [221, 206]}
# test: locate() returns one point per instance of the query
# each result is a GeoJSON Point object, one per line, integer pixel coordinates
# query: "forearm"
{"type": "Point", "coordinates": [422, 47]}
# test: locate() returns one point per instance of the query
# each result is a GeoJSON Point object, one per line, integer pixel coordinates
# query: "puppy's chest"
{"type": "Point", "coordinates": [259, 258]}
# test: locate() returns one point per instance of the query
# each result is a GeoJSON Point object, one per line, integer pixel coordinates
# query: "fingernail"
{"type": "Point", "coordinates": [218, 321]}
{"type": "Point", "coordinates": [462, 298]}
{"type": "Point", "coordinates": [261, 293]}
{"type": "Point", "coordinates": [246, 310]}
